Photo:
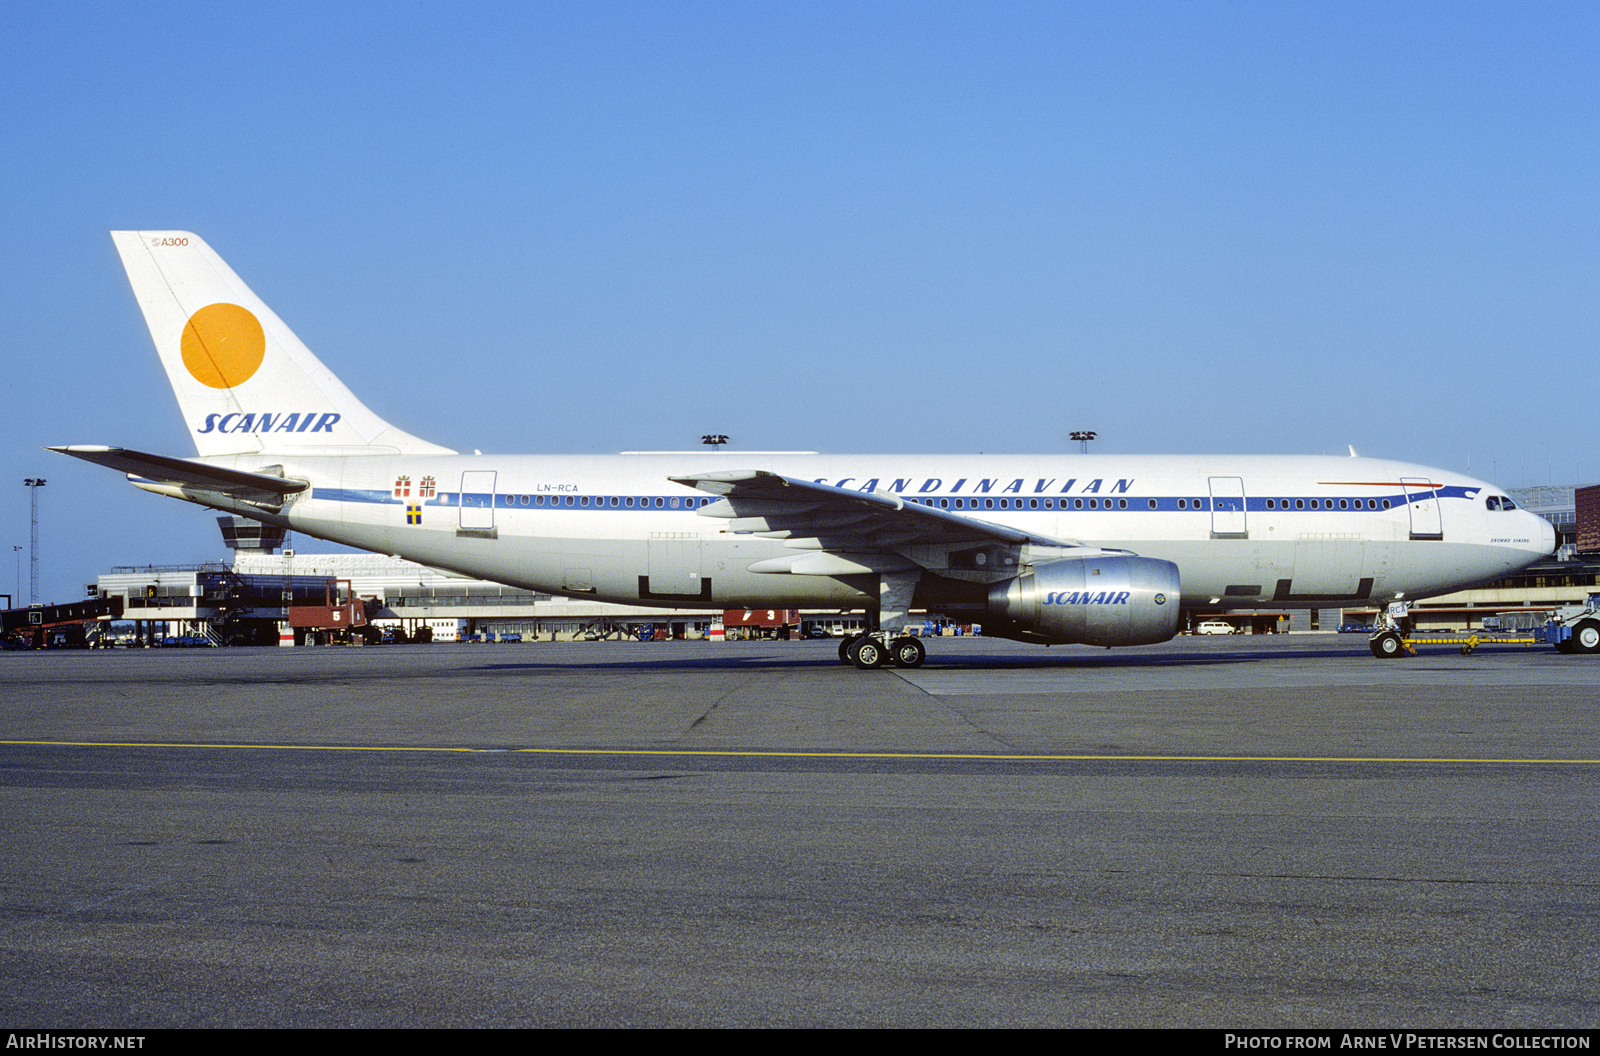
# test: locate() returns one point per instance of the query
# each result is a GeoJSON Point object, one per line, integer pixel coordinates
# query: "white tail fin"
{"type": "Point", "coordinates": [244, 382]}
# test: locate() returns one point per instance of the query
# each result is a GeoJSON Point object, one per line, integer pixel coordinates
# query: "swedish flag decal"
{"type": "Point", "coordinates": [413, 513]}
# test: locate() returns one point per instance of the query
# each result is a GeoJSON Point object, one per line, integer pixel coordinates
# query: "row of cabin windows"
{"type": "Point", "coordinates": [1326, 504]}
{"type": "Point", "coordinates": [600, 501]}
{"type": "Point", "coordinates": [663, 503]}
{"type": "Point", "coordinates": [1035, 504]}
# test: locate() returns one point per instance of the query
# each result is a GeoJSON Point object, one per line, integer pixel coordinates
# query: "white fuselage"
{"type": "Point", "coordinates": [1244, 531]}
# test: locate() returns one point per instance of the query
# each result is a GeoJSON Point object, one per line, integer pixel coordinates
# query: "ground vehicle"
{"type": "Point", "coordinates": [1216, 627]}
{"type": "Point", "coordinates": [1571, 629]}
{"type": "Point", "coordinates": [1574, 628]}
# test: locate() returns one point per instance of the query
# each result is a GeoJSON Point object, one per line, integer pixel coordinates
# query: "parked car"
{"type": "Point", "coordinates": [1216, 627]}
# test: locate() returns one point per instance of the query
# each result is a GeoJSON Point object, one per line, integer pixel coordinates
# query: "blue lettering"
{"type": "Point", "coordinates": [1068, 485]}
{"type": "Point", "coordinates": [1012, 488]}
{"type": "Point", "coordinates": [843, 482]}
{"type": "Point", "coordinates": [985, 485]}
{"type": "Point", "coordinates": [287, 423]}
{"type": "Point", "coordinates": [1087, 597]}
{"type": "Point", "coordinates": [1091, 487]}
{"type": "Point", "coordinates": [871, 485]}
{"type": "Point", "coordinates": [900, 485]}
{"type": "Point", "coordinates": [1121, 487]}
{"type": "Point", "coordinates": [211, 422]}
{"type": "Point", "coordinates": [957, 488]}
{"type": "Point", "coordinates": [931, 484]}
{"type": "Point", "coordinates": [325, 424]}
{"type": "Point", "coordinates": [1042, 485]}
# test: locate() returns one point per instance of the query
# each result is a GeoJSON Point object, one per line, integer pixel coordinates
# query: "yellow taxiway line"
{"type": "Point", "coordinates": [756, 754]}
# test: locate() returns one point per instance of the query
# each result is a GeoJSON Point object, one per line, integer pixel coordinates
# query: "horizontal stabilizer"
{"type": "Point", "coordinates": [182, 474]}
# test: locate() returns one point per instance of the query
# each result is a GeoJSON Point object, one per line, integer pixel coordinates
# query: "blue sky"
{"type": "Point", "coordinates": [883, 227]}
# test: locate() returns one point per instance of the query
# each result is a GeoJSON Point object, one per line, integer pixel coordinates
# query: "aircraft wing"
{"type": "Point", "coordinates": [167, 475]}
{"type": "Point", "coordinates": [856, 531]}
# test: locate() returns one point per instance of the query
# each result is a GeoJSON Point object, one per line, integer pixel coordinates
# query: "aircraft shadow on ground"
{"type": "Point", "coordinates": [1058, 660]}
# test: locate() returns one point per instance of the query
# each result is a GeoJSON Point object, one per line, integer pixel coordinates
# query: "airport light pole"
{"type": "Point", "coordinates": [17, 553]}
{"type": "Point", "coordinates": [1083, 436]}
{"type": "Point", "coordinates": [34, 484]}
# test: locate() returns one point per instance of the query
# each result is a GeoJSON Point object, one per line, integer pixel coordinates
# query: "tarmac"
{"type": "Point", "coordinates": [1273, 832]}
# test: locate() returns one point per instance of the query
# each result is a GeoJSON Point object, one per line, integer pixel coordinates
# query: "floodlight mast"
{"type": "Point", "coordinates": [34, 484]}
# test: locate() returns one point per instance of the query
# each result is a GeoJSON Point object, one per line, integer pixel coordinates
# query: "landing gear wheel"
{"type": "Point", "coordinates": [907, 652]}
{"type": "Point", "coordinates": [867, 652]}
{"type": "Point", "coordinates": [1387, 646]}
{"type": "Point", "coordinates": [844, 648]}
{"type": "Point", "coordinates": [1586, 637]}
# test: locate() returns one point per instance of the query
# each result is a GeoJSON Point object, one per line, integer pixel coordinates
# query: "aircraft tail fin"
{"type": "Point", "coordinates": [244, 382]}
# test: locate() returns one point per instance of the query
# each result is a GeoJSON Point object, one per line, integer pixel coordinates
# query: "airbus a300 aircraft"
{"type": "Point", "coordinates": [1092, 549]}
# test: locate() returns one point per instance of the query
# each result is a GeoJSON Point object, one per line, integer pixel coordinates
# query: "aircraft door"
{"type": "Point", "coordinates": [1422, 501]}
{"type": "Point", "coordinates": [477, 500]}
{"type": "Point", "coordinates": [1227, 508]}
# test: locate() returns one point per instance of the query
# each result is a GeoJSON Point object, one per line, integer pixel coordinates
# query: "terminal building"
{"type": "Point", "coordinates": [247, 601]}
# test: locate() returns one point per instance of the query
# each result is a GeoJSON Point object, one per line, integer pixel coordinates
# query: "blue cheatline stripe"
{"type": "Point", "coordinates": [959, 503]}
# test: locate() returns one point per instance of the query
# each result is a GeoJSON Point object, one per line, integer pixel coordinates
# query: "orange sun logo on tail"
{"type": "Point", "coordinates": [223, 345]}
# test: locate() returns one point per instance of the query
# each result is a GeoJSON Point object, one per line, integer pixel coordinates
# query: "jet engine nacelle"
{"type": "Point", "coordinates": [1109, 600]}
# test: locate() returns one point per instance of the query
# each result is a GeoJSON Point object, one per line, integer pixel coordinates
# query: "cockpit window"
{"type": "Point", "coordinates": [1499, 502]}
{"type": "Point", "coordinates": [1507, 504]}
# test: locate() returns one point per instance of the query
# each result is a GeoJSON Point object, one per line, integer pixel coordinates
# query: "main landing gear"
{"type": "Point", "coordinates": [876, 649]}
